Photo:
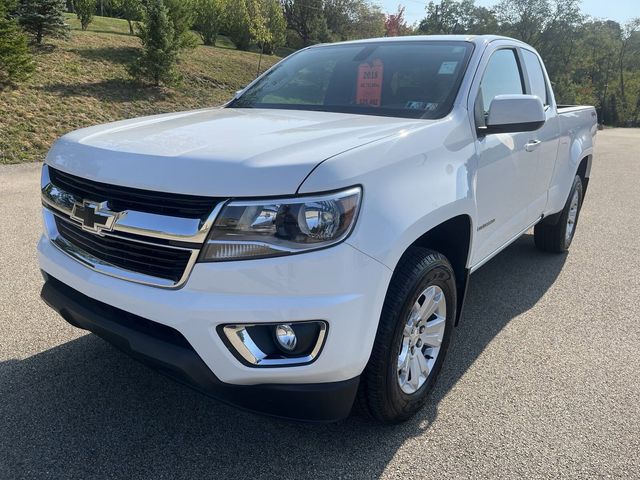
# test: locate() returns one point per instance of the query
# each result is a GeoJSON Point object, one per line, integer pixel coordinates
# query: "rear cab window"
{"type": "Point", "coordinates": [537, 80]}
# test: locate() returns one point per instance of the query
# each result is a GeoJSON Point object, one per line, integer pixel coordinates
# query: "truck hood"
{"type": "Point", "coordinates": [218, 152]}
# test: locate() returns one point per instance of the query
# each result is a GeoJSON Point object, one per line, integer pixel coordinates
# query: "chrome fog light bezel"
{"type": "Point", "coordinates": [237, 339]}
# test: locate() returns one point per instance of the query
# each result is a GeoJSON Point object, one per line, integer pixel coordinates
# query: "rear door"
{"type": "Point", "coordinates": [545, 140]}
{"type": "Point", "coordinates": [506, 169]}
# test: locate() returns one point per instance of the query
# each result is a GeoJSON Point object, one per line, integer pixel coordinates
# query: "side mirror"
{"type": "Point", "coordinates": [514, 113]}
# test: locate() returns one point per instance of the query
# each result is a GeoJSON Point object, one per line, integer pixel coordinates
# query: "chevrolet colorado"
{"type": "Point", "coordinates": [310, 242]}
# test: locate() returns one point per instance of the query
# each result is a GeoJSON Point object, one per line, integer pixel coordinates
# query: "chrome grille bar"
{"type": "Point", "coordinates": [136, 233]}
{"type": "Point", "coordinates": [178, 229]}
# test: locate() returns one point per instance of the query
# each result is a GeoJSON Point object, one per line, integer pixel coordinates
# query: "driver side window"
{"type": "Point", "coordinates": [502, 76]}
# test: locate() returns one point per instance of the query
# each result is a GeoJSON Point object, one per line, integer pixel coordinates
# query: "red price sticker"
{"type": "Point", "coordinates": [369, 90]}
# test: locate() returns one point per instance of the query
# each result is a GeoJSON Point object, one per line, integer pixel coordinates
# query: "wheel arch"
{"type": "Point", "coordinates": [451, 238]}
{"type": "Point", "coordinates": [584, 172]}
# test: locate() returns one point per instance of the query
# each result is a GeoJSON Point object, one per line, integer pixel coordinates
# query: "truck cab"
{"type": "Point", "coordinates": [313, 239]}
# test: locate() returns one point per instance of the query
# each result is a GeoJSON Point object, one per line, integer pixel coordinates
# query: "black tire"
{"type": "Point", "coordinates": [380, 394]}
{"type": "Point", "coordinates": [553, 237]}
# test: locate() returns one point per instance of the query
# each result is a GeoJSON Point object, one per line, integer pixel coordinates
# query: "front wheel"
{"type": "Point", "coordinates": [412, 339]}
{"type": "Point", "coordinates": [557, 238]}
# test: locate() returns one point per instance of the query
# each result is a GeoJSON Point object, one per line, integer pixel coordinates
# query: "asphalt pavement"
{"type": "Point", "coordinates": [542, 379]}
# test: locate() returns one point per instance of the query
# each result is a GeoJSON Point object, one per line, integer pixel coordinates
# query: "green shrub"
{"type": "Point", "coordinates": [182, 15]}
{"type": "Point", "coordinates": [43, 18]}
{"type": "Point", "coordinates": [160, 47]}
{"type": "Point", "coordinates": [16, 62]}
{"type": "Point", "coordinates": [276, 26]}
{"type": "Point", "coordinates": [209, 19]}
{"type": "Point", "coordinates": [85, 9]}
{"type": "Point", "coordinates": [238, 24]}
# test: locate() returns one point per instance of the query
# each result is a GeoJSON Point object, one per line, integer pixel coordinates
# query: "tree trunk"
{"type": "Point", "coordinates": [209, 39]}
{"type": "Point", "coordinates": [131, 32]}
{"type": "Point", "coordinates": [606, 86]}
{"type": "Point", "coordinates": [306, 41]}
{"type": "Point", "coordinates": [623, 98]}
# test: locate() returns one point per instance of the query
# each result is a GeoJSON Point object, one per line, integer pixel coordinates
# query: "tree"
{"type": "Point", "coordinates": [84, 11]}
{"type": "Point", "coordinates": [395, 25]}
{"type": "Point", "coordinates": [524, 19]}
{"type": "Point", "coordinates": [276, 25]}
{"type": "Point", "coordinates": [629, 32]}
{"type": "Point", "coordinates": [483, 22]}
{"type": "Point", "coordinates": [16, 63]}
{"type": "Point", "coordinates": [101, 5]}
{"type": "Point", "coordinates": [258, 31]}
{"type": "Point", "coordinates": [131, 10]}
{"type": "Point", "coordinates": [160, 47]}
{"type": "Point", "coordinates": [338, 16]}
{"type": "Point", "coordinates": [369, 22]}
{"type": "Point", "coordinates": [458, 17]}
{"type": "Point", "coordinates": [352, 19]}
{"type": "Point", "coordinates": [306, 18]}
{"type": "Point", "coordinates": [182, 15]}
{"type": "Point", "coordinates": [209, 19]}
{"type": "Point", "coordinates": [267, 27]}
{"type": "Point", "coordinates": [237, 24]}
{"type": "Point", "coordinates": [43, 18]}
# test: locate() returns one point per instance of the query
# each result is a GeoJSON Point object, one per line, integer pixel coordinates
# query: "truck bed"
{"type": "Point", "coordinates": [562, 109]}
{"type": "Point", "coordinates": [575, 118]}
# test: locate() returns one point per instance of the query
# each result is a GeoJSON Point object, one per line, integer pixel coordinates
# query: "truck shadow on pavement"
{"type": "Point", "coordinates": [84, 410]}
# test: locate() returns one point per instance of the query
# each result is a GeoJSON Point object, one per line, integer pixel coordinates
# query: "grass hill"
{"type": "Point", "coordinates": [84, 81]}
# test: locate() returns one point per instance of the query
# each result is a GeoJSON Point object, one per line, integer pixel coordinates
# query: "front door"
{"type": "Point", "coordinates": [507, 166]}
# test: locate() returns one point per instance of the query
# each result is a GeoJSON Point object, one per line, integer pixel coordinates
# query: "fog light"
{"type": "Point", "coordinates": [286, 337]}
{"type": "Point", "coordinates": [275, 344]}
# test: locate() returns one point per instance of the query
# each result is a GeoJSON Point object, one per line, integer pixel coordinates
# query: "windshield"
{"type": "Point", "coordinates": [415, 79]}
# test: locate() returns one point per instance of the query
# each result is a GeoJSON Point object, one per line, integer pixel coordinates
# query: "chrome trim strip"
{"type": "Point", "coordinates": [133, 222]}
{"type": "Point", "coordinates": [106, 268]}
{"type": "Point", "coordinates": [242, 342]}
{"type": "Point", "coordinates": [299, 198]}
{"type": "Point", "coordinates": [120, 237]}
{"type": "Point", "coordinates": [272, 246]}
{"type": "Point", "coordinates": [191, 233]}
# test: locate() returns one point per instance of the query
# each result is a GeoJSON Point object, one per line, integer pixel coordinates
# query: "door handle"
{"type": "Point", "coordinates": [532, 145]}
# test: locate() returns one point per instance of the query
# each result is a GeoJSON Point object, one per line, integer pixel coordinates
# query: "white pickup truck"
{"type": "Point", "coordinates": [310, 242]}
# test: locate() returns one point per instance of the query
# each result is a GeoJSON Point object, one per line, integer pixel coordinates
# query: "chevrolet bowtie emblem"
{"type": "Point", "coordinates": [94, 217]}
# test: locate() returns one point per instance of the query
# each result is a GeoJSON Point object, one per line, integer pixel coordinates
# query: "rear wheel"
{"type": "Point", "coordinates": [557, 238]}
{"type": "Point", "coordinates": [413, 336]}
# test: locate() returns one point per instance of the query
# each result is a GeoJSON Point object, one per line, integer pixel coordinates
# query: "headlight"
{"type": "Point", "coordinates": [253, 229]}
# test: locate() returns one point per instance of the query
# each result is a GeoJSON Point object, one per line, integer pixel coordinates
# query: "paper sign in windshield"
{"type": "Point", "coordinates": [369, 90]}
{"type": "Point", "coordinates": [448, 68]}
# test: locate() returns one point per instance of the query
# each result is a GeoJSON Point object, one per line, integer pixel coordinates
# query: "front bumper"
{"type": "Point", "coordinates": [339, 285]}
{"type": "Point", "coordinates": [167, 351]}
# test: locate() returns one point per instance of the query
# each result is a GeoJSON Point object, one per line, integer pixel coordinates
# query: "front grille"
{"type": "Point", "coordinates": [152, 260]}
{"type": "Point", "coordinates": [121, 198]}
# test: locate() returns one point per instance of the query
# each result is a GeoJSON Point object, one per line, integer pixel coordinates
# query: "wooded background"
{"type": "Point", "coordinates": [590, 60]}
